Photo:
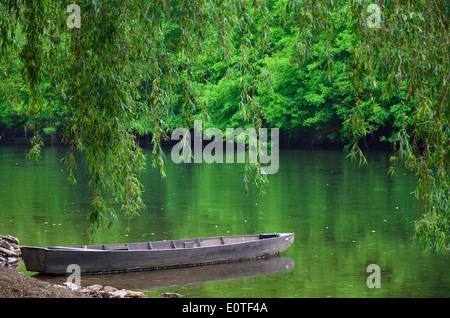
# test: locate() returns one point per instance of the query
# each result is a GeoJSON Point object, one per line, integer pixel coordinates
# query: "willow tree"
{"type": "Point", "coordinates": [405, 43]}
{"type": "Point", "coordinates": [110, 62]}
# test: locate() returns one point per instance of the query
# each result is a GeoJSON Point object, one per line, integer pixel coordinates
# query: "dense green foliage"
{"type": "Point", "coordinates": [319, 71]}
{"type": "Point", "coordinates": [308, 97]}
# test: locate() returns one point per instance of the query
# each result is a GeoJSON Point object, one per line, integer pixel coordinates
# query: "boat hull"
{"type": "Point", "coordinates": [180, 253]}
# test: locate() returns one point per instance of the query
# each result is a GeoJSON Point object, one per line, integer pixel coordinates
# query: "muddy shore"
{"type": "Point", "coordinates": [14, 284]}
{"type": "Point", "coordinates": [17, 285]}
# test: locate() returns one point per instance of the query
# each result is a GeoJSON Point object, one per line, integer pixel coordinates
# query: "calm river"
{"type": "Point", "coordinates": [345, 217]}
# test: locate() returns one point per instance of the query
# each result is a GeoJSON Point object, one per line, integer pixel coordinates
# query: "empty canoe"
{"type": "Point", "coordinates": [153, 255]}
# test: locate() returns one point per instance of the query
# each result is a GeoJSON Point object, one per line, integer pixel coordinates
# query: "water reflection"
{"type": "Point", "coordinates": [146, 280]}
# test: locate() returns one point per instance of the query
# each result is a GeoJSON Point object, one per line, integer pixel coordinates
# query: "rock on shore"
{"type": "Point", "coordinates": [98, 291]}
{"type": "Point", "coordinates": [9, 251]}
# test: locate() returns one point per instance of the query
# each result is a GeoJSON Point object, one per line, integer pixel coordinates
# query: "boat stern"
{"type": "Point", "coordinates": [35, 258]}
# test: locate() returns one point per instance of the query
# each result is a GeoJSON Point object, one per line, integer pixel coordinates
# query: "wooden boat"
{"type": "Point", "coordinates": [153, 255]}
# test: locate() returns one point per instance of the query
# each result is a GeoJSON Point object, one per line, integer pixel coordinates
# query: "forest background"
{"type": "Point", "coordinates": [309, 100]}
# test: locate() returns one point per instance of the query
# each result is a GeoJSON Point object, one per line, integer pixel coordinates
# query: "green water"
{"type": "Point", "coordinates": [345, 217]}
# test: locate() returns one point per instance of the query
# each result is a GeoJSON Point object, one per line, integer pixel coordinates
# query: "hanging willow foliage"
{"type": "Point", "coordinates": [99, 68]}
{"type": "Point", "coordinates": [404, 44]}
{"type": "Point", "coordinates": [409, 51]}
{"type": "Point", "coordinates": [120, 64]}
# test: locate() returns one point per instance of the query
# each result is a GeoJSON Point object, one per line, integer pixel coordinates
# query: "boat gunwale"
{"type": "Point", "coordinates": [259, 237]}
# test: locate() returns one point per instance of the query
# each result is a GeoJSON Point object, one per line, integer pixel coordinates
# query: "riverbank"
{"type": "Point", "coordinates": [17, 285]}
{"type": "Point", "coordinates": [14, 284]}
